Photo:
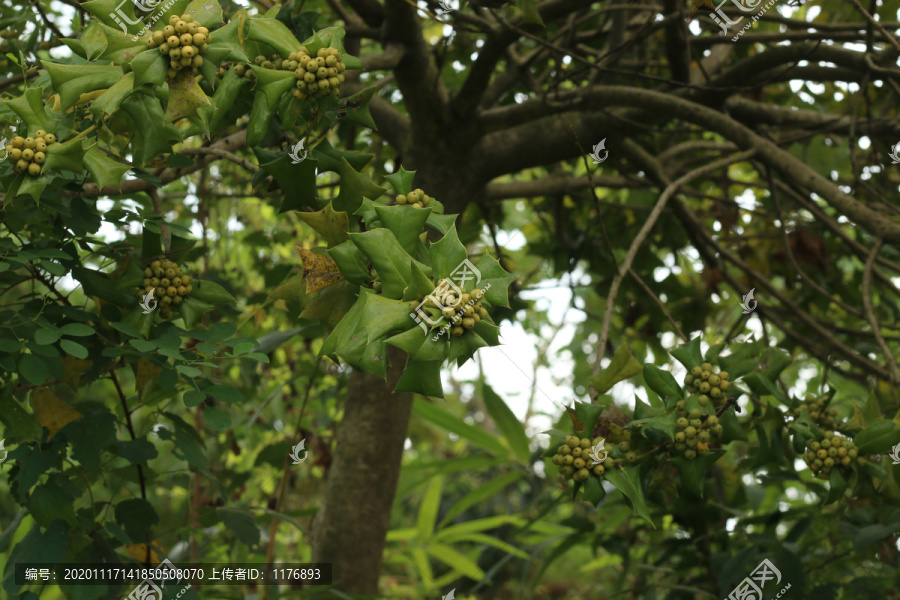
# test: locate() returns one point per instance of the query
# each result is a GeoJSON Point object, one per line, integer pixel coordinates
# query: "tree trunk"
{"type": "Point", "coordinates": [350, 529]}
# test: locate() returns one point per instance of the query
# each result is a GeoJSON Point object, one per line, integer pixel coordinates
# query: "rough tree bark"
{"type": "Point", "coordinates": [350, 529]}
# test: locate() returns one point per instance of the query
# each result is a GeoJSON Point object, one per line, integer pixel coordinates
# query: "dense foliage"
{"type": "Point", "coordinates": [224, 227]}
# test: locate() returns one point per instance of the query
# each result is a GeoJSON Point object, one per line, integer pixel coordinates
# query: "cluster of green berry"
{"type": "Point", "coordinates": [832, 451]}
{"type": "Point", "coordinates": [316, 77]}
{"type": "Point", "coordinates": [574, 460]}
{"type": "Point", "coordinates": [183, 41]}
{"type": "Point", "coordinates": [464, 311]}
{"type": "Point", "coordinates": [29, 153]}
{"type": "Point", "coordinates": [695, 429]}
{"type": "Point", "coordinates": [170, 283]}
{"type": "Point", "coordinates": [240, 69]}
{"type": "Point", "coordinates": [416, 198]}
{"type": "Point", "coordinates": [702, 380]}
{"type": "Point", "coordinates": [818, 410]}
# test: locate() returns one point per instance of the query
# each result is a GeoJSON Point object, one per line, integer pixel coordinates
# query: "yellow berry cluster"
{"type": "Point", "coordinates": [818, 409]}
{"type": "Point", "coordinates": [702, 380]}
{"type": "Point", "coordinates": [464, 311]}
{"type": "Point", "coordinates": [317, 77]}
{"type": "Point", "coordinates": [183, 41]}
{"type": "Point", "coordinates": [695, 428]}
{"type": "Point", "coordinates": [29, 153]}
{"type": "Point", "coordinates": [831, 452]}
{"type": "Point", "coordinates": [416, 198]}
{"type": "Point", "coordinates": [169, 282]}
{"type": "Point", "coordinates": [573, 457]}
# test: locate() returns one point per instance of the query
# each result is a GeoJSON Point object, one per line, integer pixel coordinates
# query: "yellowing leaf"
{"type": "Point", "coordinates": [332, 225]}
{"type": "Point", "coordinates": [185, 96]}
{"type": "Point", "coordinates": [140, 551]}
{"type": "Point", "coordinates": [51, 412]}
{"type": "Point", "coordinates": [318, 271]}
{"type": "Point", "coordinates": [74, 369]}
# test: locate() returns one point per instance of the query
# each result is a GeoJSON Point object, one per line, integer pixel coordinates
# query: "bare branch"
{"type": "Point", "coordinates": [638, 241]}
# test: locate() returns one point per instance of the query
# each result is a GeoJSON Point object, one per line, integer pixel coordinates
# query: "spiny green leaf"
{"type": "Point", "coordinates": [623, 366]}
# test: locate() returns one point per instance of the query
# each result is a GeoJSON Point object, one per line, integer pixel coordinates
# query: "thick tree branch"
{"type": "Point", "coordinates": [424, 91]}
{"type": "Point", "coordinates": [672, 107]}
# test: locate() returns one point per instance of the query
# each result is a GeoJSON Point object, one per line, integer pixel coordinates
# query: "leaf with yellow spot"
{"type": "Point", "coordinates": [74, 369]}
{"type": "Point", "coordinates": [332, 225]}
{"type": "Point", "coordinates": [185, 96]}
{"type": "Point", "coordinates": [51, 412]}
{"type": "Point", "coordinates": [318, 271]}
{"type": "Point", "coordinates": [140, 553]}
{"type": "Point", "coordinates": [146, 374]}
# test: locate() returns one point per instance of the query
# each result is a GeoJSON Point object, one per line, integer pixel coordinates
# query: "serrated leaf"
{"type": "Point", "coordinates": [495, 276]}
{"type": "Point", "coordinates": [30, 108]}
{"type": "Point", "coordinates": [211, 292]}
{"type": "Point", "coordinates": [622, 366]}
{"type": "Point", "coordinates": [332, 225]}
{"type": "Point", "coordinates": [149, 68]}
{"type": "Point", "coordinates": [185, 96]}
{"type": "Point", "coordinates": [354, 187]}
{"type": "Point", "coordinates": [51, 412]}
{"type": "Point", "coordinates": [71, 81]}
{"type": "Point", "coordinates": [68, 156]}
{"type": "Point", "coordinates": [351, 262]}
{"type": "Point", "coordinates": [662, 382]}
{"type": "Point", "coordinates": [388, 257]}
{"type": "Point", "coordinates": [628, 482]}
{"type": "Point", "coordinates": [274, 33]}
{"type": "Point", "coordinates": [298, 182]}
{"type": "Point", "coordinates": [319, 271]}
{"type": "Point", "coordinates": [405, 223]}
{"type": "Point", "coordinates": [401, 180]}
{"type": "Point", "coordinates": [689, 355]}
{"type": "Point", "coordinates": [105, 169]}
{"type": "Point", "coordinates": [109, 101]}
{"type": "Point", "coordinates": [877, 438]}
{"type": "Point", "coordinates": [692, 473]}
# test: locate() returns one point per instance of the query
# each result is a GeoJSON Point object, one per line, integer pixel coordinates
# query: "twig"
{"type": "Point", "coordinates": [130, 425]}
{"type": "Point", "coordinates": [165, 234]}
{"type": "Point", "coordinates": [223, 154]}
{"type": "Point", "coordinates": [875, 24]}
{"type": "Point", "coordinates": [59, 34]}
{"type": "Point", "coordinates": [661, 306]}
{"type": "Point", "coordinates": [639, 240]}
{"type": "Point", "coordinates": [870, 312]}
